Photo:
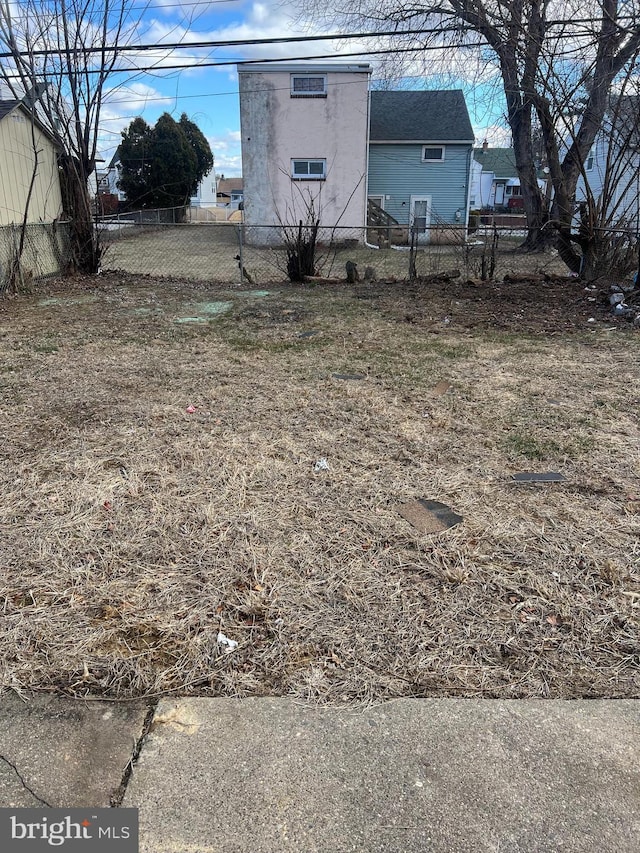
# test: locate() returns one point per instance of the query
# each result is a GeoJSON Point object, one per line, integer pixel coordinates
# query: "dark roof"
{"type": "Point", "coordinates": [500, 161]}
{"type": "Point", "coordinates": [7, 107]}
{"type": "Point", "coordinates": [420, 117]}
{"type": "Point", "coordinates": [228, 185]}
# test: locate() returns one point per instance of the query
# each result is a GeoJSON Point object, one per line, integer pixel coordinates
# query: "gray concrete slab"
{"type": "Point", "coordinates": [409, 776]}
{"type": "Point", "coordinates": [64, 752]}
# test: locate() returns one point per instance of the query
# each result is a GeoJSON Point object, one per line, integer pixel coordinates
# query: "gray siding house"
{"type": "Point", "coordinates": [420, 153]}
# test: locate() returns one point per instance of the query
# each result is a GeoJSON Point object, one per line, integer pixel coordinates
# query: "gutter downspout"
{"type": "Point", "coordinates": [468, 203]}
{"type": "Point", "coordinates": [367, 148]}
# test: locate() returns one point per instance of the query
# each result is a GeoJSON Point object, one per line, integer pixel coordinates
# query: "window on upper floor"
{"type": "Point", "coordinates": [590, 160]}
{"type": "Point", "coordinates": [432, 153]}
{"type": "Point", "coordinates": [308, 85]}
{"type": "Point", "coordinates": [308, 170]}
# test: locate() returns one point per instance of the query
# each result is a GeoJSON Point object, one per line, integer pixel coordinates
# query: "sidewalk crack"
{"type": "Point", "coordinates": [118, 795]}
{"type": "Point", "coordinates": [24, 784]}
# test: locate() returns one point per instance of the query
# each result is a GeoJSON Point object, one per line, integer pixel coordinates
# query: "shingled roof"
{"type": "Point", "coordinates": [7, 107]}
{"type": "Point", "coordinates": [433, 116]}
{"type": "Point", "coordinates": [500, 161]}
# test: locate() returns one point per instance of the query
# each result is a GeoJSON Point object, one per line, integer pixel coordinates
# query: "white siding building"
{"type": "Point", "coordinates": [20, 138]}
{"type": "Point", "coordinates": [611, 176]}
{"type": "Point", "coordinates": [305, 130]}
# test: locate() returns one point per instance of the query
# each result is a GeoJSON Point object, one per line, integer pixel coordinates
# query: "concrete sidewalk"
{"type": "Point", "coordinates": [271, 775]}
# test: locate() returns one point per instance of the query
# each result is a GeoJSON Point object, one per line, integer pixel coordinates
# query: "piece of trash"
{"type": "Point", "coordinates": [229, 645]}
{"type": "Point", "coordinates": [428, 516]}
{"type": "Point", "coordinates": [107, 505]}
{"type": "Point", "coordinates": [190, 410]}
{"type": "Point", "coordinates": [321, 465]}
{"type": "Point", "coordinates": [447, 320]}
{"type": "Point", "coordinates": [309, 334]}
{"type": "Point", "coordinates": [616, 298]}
{"type": "Point", "coordinates": [352, 376]}
{"type": "Point", "coordinates": [591, 320]}
{"type": "Point", "coordinates": [441, 388]}
{"type": "Point", "coordinates": [622, 310]}
{"type": "Point", "coordinates": [534, 477]}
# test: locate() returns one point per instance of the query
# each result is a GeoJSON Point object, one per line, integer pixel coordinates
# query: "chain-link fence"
{"type": "Point", "coordinates": [154, 243]}
{"type": "Point", "coordinates": [33, 251]}
{"type": "Point", "coordinates": [218, 251]}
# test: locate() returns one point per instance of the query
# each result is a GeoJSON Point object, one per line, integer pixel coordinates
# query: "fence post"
{"type": "Point", "coordinates": [412, 254]}
{"type": "Point", "coordinates": [240, 257]}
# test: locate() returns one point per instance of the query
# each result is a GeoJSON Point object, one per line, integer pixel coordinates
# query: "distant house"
{"type": "Point", "coordinates": [205, 195]}
{"type": "Point", "coordinates": [495, 184]}
{"type": "Point", "coordinates": [420, 154]}
{"type": "Point", "coordinates": [207, 191]}
{"type": "Point", "coordinates": [230, 191]}
{"type": "Point", "coordinates": [496, 180]}
{"type": "Point", "coordinates": [611, 176]}
{"type": "Point", "coordinates": [25, 174]}
{"type": "Point", "coordinates": [304, 130]}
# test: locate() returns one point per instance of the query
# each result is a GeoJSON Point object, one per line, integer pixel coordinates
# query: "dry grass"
{"type": "Point", "coordinates": [131, 532]}
{"type": "Point", "coordinates": [207, 252]}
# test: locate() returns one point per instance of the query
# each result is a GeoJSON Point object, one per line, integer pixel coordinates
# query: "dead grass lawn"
{"type": "Point", "coordinates": [132, 532]}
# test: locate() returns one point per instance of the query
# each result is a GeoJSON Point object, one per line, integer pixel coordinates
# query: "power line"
{"type": "Point", "coordinates": [117, 49]}
{"type": "Point", "coordinates": [227, 62]}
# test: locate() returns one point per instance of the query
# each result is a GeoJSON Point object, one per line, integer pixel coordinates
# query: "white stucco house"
{"type": "Point", "coordinates": [304, 130]}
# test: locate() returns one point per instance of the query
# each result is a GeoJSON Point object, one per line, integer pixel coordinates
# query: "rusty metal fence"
{"type": "Point", "coordinates": [31, 252]}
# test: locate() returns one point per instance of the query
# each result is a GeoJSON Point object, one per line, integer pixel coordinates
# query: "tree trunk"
{"type": "Point", "coordinates": [85, 246]}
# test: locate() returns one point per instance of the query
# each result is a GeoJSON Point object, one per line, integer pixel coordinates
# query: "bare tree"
{"type": "Point", "coordinates": [557, 64]}
{"type": "Point", "coordinates": [57, 56]}
{"type": "Point", "coordinates": [608, 191]}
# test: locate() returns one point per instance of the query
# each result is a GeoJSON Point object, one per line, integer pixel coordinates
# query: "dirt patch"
{"type": "Point", "coordinates": [159, 488]}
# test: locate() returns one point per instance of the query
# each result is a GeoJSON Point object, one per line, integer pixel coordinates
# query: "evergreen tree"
{"type": "Point", "coordinates": [135, 158]}
{"type": "Point", "coordinates": [162, 166]}
{"type": "Point", "coordinates": [199, 144]}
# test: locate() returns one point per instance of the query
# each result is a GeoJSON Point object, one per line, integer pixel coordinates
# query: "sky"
{"type": "Point", "coordinates": [209, 95]}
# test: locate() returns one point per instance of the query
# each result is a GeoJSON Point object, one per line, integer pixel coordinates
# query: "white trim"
{"type": "Point", "coordinates": [590, 156]}
{"type": "Point", "coordinates": [412, 202]}
{"type": "Point", "coordinates": [302, 93]}
{"type": "Point", "coordinates": [326, 68]}
{"type": "Point", "coordinates": [441, 159]}
{"type": "Point", "coordinates": [308, 176]}
{"type": "Point", "coordinates": [421, 141]}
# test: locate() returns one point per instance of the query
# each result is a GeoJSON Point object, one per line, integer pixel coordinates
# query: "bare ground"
{"type": "Point", "coordinates": [132, 532]}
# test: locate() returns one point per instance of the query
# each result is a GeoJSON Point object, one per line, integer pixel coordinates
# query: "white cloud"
{"type": "Point", "coordinates": [121, 104]}
{"type": "Point", "coordinates": [227, 154]}
{"type": "Point", "coordinates": [497, 135]}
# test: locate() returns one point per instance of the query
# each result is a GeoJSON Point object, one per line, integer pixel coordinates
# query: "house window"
{"type": "Point", "coordinates": [308, 170]}
{"type": "Point", "coordinates": [513, 190]}
{"type": "Point", "coordinates": [433, 153]}
{"type": "Point", "coordinates": [590, 159]}
{"type": "Point", "coordinates": [308, 86]}
{"type": "Point", "coordinates": [377, 199]}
